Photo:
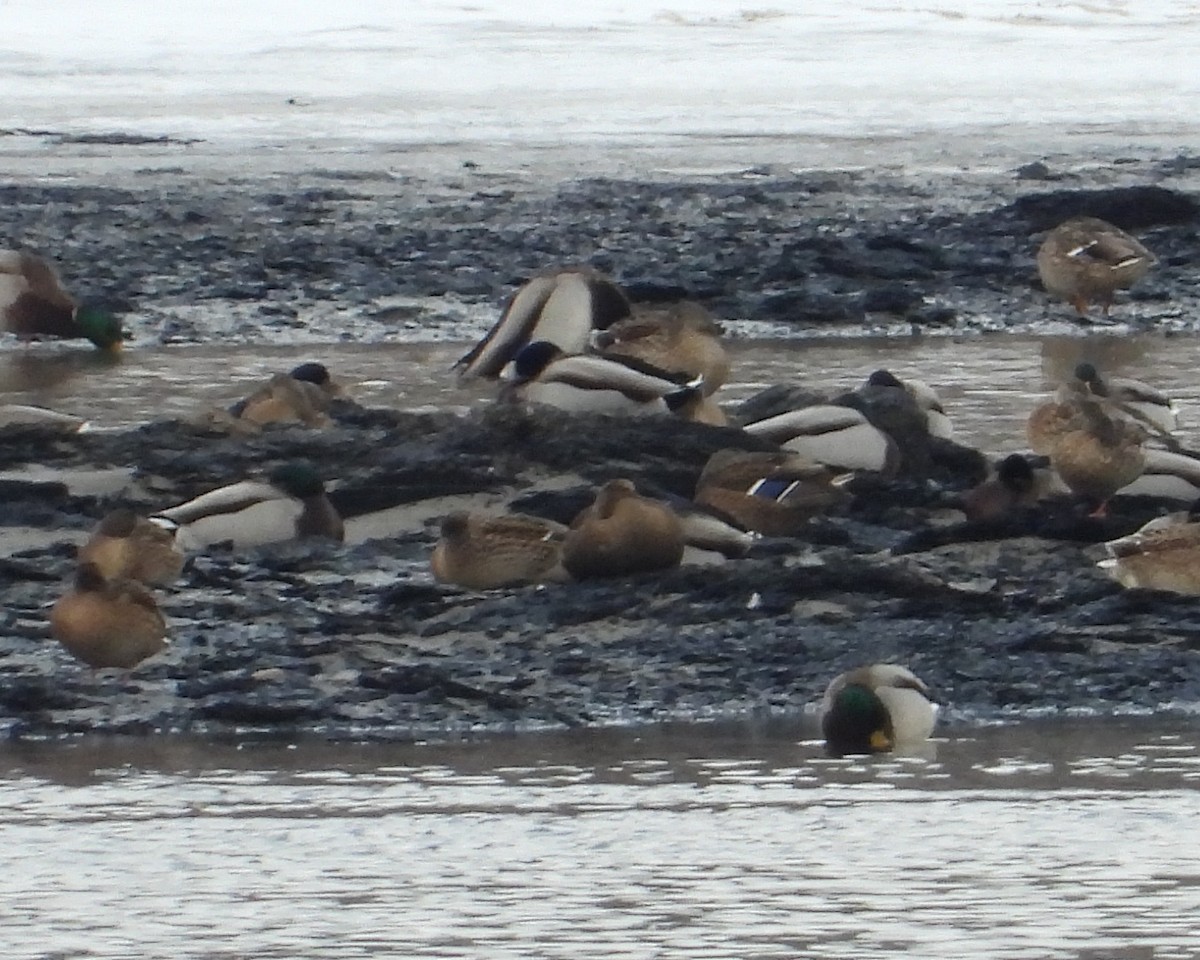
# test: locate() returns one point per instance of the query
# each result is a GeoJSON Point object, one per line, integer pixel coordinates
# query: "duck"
{"type": "Point", "coordinates": [1138, 399]}
{"type": "Point", "coordinates": [581, 383]}
{"type": "Point", "coordinates": [683, 339]}
{"type": "Point", "coordinates": [35, 304]}
{"type": "Point", "coordinates": [875, 709]}
{"type": "Point", "coordinates": [108, 623]}
{"type": "Point", "coordinates": [289, 504]}
{"type": "Point", "coordinates": [772, 493]}
{"type": "Point", "coordinates": [837, 436]}
{"type": "Point", "coordinates": [126, 546]}
{"type": "Point", "coordinates": [561, 305]}
{"type": "Point", "coordinates": [482, 552]}
{"type": "Point", "coordinates": [303, 396]}
{"type": "Point", "coordinates": [1014, 485]}
{"type": "Point", "coordinates": [1086, 260]}
{"type": "Point", "coordinates": [1167, 475]}
{"type": "Point", "coordinates": [924, 398]}
{"type": "Point", "coordinates": [622, 533]}
{"type": "Point", "coordinates": [1163, 555]}
{"type": "Point", "coordinates": [43, 418]}
{"type": "Point", "coordinates": [1096, 454]}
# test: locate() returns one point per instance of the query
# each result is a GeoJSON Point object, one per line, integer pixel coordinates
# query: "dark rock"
{"type": "Point", "coordinates": [1130, 208]}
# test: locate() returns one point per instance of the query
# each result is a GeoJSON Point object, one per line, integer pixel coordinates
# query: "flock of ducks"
{"type": "Point", "coordinates": [570, 338]}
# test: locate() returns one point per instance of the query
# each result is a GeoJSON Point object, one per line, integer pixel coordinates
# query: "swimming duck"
{"type": "Point", "coordinates": [1086, 260]}
{"type": "Point", "coordinates": [837, 436]}
{"type": "Point", "coordinates": [108, 623]}
{"type": "Point", "coordinates": [875, 709]}
{"type": "Point", "coordinates": [481, 552]}
{"type": "Point", "coordinates": [303, 395]}
{"type": "Point", "coordinates": [622, 533]}
{"type": "Point", "coordinates": [562, 305]}
{"type": "Point", "coordinates": [1014, 485]}
{"type": "Point", "coordinates": [582, 383]}
{"type": "Point", "coordinates": [1163, 555]}
{"type": "Point", "coordinates": [1141, 401]}
{"type": "Point", "coordinates": [772, 493]}
{"type": "Point", "coordinates": [683, 339]}
{"type": "Point", "coordinates": [35, 304]}
{"type": "Point", "coordinates": [126, 546]}
{"type": "Point", "coordinates": [289, 505]}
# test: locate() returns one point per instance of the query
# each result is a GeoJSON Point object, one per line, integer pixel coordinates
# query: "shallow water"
{"type": "Point", "coordinates": [987, 384]}
{"type": "Point", "coordinates": [1066, 839]}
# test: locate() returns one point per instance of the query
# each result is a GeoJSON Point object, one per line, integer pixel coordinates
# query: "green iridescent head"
{"type": "Point", "coordinates": [100, 326]}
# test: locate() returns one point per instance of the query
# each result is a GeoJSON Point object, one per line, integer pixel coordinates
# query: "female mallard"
{"type": "Point", "coordinates": [622, 533]}
{"type": "Point", "coordinates": [35, 304]}
{"type": "Point", "coordinates": [772, 493]}
{"type": "Point", "coordinates": [593, 384]}
{"type": "Point", "coordinates": [482, 552]}
{"type": "Point", "coordinates": [875, 709]}
{"type": "Point", "coordinates": [1086, 260]}
{"type": "Point", "coordinates": [925, 401]}
{"type": "Point", "coordinates": [1014, 486]}
{"type": "Point", "coordinates": [1096, 453]}
{"type": "Point", "coordinates": [303, 396]}
{"type": "Point", "coordinates": [563, 306]}
{"type": "Point", "coordinates": [1139, 400]}
{"type": "Point", "coordinates": [126, 546]}
{"type": "Point", "coordinates": [1163, 555]}
{"type": "Point", "coordinates": [683, 339]}
{"type": "Point", "coordinates": [108, 623]}
{"type": "Point", "coordinates": [289, 505]}
{"type": "Point", "coordinates": [837, 436]}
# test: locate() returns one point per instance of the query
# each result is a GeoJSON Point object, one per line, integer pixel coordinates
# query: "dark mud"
{"type": "Point", "coordinates": [358, 642]}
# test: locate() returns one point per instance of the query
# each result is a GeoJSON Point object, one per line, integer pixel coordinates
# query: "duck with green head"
{"type": "Point", "coordinates": [876, 709]}
{"type": "Point", "coordinates": [34, 303]}
{"type": "Point", "coordinates": [290, 504]}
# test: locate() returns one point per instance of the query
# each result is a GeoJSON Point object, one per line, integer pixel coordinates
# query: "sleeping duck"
{"type": "Point", "coordinates": [837, 436]}
{"type": "Point", "coordinates": [582, 383]}
{"type": "Point", "coordinates": [108, 623]}
{"type": "Point", "coordinates": [772, 493]}
{"type": "Point", "coordinates": [1086, 260]}
{"type": "Point", "coordinates": [290, 504]}
{"type": "Point", "coordinates": [1139, 400]}
{"type": "Point", "coordinates": [35, 304]}
{"type": "Point", "coordinates": [622, 533]}
{"type": "Point", "coordinates": [563, 306]}
{"type": "Point", "coordinates": [1163, 555]}
{"type": "Point", "coordinates": [876, 709]}
{"type": "Point", "coordinates": [482, 552]}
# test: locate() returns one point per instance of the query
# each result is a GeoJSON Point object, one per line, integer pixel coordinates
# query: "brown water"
{"type": "Point", "coordinates": [1071, 840]}
{"type": "Point", "coordinates": [1066, 840]}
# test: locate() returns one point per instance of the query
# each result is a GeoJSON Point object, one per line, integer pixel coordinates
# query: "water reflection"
{"type": "Point", "coordinates": [1068, 839]}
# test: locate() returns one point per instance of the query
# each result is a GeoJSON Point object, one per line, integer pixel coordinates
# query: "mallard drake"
{"type": "Point", "coordinates": [622, 533]}
{"type": "Point", "coordinates": [683, 339]}
{"type": "Point", "coordinates": [923, 396]}
{"type": "Point", "coordinates": [288, 505]}
{"type": "Point", "coordinates": [108, 623]}
{"type": "Point", "coordinates": [582, 383]}
{"type": "Point", "coordinates": [1014, 485]}
{"type": "Point", "coordinates": [875, 709]}
{"type": "Point", "coordinates": [481, 552]}
{"type": "Point", "coordinates": [1139, 400]}
{"type": "Point", "coordinates": [1163, 555]}
{"type": "Point", "coordinates": [563, 305]}
{"type": "Point", "coordinates": [1171, 476]}
{"type": "Point", "coordinates": [837, 436]}
{"type": "Point", "coordinates": [1096, 454]}
{"type": "Point", "coordinates": [303, 396]}
{"type": "Point", "coordinates": [126, 546]}
{"type": "Point", "coordinates": [25, 415]}
{"type": "Point", "coordinates": [1086, 260]}
{"type": "Point", "coordinates": [772, 493]}
{"type": "Point", "coordinates": [35, 304]}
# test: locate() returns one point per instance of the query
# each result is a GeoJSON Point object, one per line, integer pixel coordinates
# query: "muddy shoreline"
{"type": "Point", "coordinates": [358, 643]}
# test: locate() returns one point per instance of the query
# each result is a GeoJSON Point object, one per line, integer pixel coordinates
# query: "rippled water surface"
{"type": "Point", "coordinates": [1067, 839]}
